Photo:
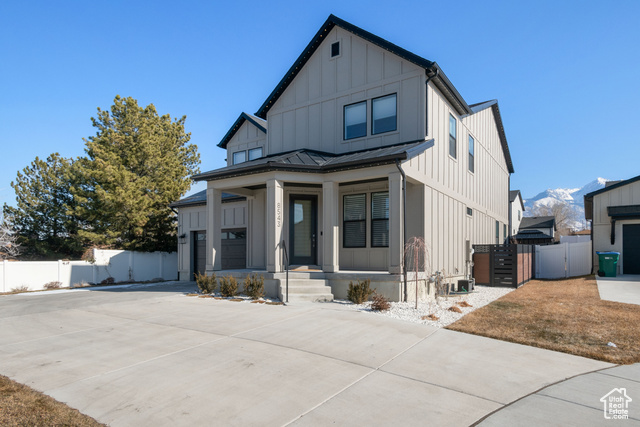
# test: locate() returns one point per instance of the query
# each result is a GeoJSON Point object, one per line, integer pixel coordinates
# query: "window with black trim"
{"type": "Point", "coordinates": [452, 136]}
{"type": "Point", "coordinates": [469, 211]}
{"type": "Point", "coordinates": [384, 114]}
{"type": "Point", "coordinates": [380, 220]}
{"type": "Point", "coordinates": [504, 231]}
{"type": "Point", "coordinates": [497, 232]}
{"type": "Point", "coordinates": [471, 151]}
{"type": "Point", "coordinates": [354, 219]}
{"type": "Point", "coordinates": [355, 120]}
{"type": "Point", "coordinates": [335, 49]}
{"type": "Point", "coordinates": [255, 153]}
{"type": "Point", "coordinates": [239, 157]}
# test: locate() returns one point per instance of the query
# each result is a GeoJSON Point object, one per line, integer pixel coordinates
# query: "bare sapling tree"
{"type": "Point", "coordinates": [9, 247]}
{"type": "Point", "coordinates": [416, 254]}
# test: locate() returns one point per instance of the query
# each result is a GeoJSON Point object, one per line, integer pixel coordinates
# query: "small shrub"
{"type": "Point", "coordinates": [206, 284]}
{"type": "Point", "coordinates": [455, 309]}
{"type": "Point", "coordinates": [52, 285]}
{"type": "Point", "coordinates": [19, 289]}
{"type": "Point", "coordinates": [228, 286]}
{"type": "Point", "coordinates": [108, 281]}
{"type": "Point", "coordinates": [380, 303]}
{"type": "Point", "coordinates": [254, 286]}
{"type": "Point", "coordinates": [465, 304]}
{"type": "Point", "coordinates": [430, 317]}
{"type": "Point", "coordinates": [360, 292]}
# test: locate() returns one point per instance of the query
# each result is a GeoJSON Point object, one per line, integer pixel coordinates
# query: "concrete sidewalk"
{"type": "Point", "coordinates": [624, 288]}
{"type": "Point", "coordinates": [152, 356]}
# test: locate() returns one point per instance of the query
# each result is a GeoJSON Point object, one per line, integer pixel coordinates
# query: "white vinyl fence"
{"type": "Point", "coordinates": [563, 260]}
{"type": "Point", "coordinates": [121, 265]}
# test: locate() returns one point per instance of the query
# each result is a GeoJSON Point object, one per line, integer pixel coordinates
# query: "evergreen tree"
{"type": "Point", "coordinates": [137, 163]}
{"type": "Point", "coordinates": [41, 217]}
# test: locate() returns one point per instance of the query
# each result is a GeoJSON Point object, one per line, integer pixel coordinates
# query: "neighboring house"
{"type": "Point", "coordinates": [516, 211]}
{"type": "Point", "coordinates": [614, 212]}
{"type": "Point", "coordinates": [361, 146]}
{"type": "Point", "coordinates": [536, 230]}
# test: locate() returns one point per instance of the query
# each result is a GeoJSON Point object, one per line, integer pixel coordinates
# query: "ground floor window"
{"type": "Point", "coordinates": [380, 220]}
{"type": "Point", "coordinates": [354, 218]}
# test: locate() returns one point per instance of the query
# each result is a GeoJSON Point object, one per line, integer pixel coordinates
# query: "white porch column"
{"type": "Point", "coordinates": [214, 224]}
{"type": "Point", "coordinates": [274, 225]}
{"type": "Point", "coordinates": [396, 243]}
{"type": "Point", "coordinates": [330, 227]}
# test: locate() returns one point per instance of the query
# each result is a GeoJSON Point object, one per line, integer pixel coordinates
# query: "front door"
{"type": "Point", "coordinates": [303, 226]}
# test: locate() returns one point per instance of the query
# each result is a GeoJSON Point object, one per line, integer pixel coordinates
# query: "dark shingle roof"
{"type": "Point", "coordinates": [537, 222]}
{"type": "Point", "coordinates": [200, 198]}
{"type": "Point", "coordinates": [320, 162]}
{"type": "Point", "coordinates": [531, 234]}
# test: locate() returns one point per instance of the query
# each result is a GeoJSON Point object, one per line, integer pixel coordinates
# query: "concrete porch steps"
{"type": "Point", "coordinates": [305, 289]}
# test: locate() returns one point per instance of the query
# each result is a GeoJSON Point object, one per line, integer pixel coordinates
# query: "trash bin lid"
{"type": "Point", "coordinates": [608, 253]}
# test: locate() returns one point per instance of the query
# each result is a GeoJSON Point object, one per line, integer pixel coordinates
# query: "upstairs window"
{"type": "Point", "coordinates": [383, 114]}
{"type": "Point", "coordinates": [497, 233]}
{"type": "Point", "coordinates": [469, 211]}
{"type": "Point", "coordinates": [239, 157]}
{"type": "Point", "coordinates": [255, 153]}
{"type": "Point", "coordinates": [452, 136]}
{"type": "Point", "coordinates": [354, 217]}
{"type": "Point", "coordinates": [471, 149]}
{"type": "Point", "coordinates": [380, 220]}
{"type": "Point", "coordinates": [355, 120]}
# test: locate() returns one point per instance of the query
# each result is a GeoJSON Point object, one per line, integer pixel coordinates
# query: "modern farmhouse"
{"type": "Point", "coordinates": [361, 146]}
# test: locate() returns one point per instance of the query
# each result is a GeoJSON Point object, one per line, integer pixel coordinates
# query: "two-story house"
{"type": "Point", "coordinates": [361, 146]}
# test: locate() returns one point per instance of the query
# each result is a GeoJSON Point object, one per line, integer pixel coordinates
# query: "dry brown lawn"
{"type": "Point", "coordinates": [561, 315]}
{"type": "Point", "coordinates": [23, 406]}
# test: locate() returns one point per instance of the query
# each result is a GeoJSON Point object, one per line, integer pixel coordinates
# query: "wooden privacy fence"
{"type": "Point", "coordinates": [503, 265]}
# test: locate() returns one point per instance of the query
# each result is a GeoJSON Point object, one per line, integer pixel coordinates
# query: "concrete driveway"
{"type": "Point", "coordinates": [152, 356]}
{"type": "Point", "coordinates": [624, 288]}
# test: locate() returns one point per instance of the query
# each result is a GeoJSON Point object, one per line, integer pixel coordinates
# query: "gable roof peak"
{"type": "Point", "coordinates": [256, 121]}
{"type": "Point", "coordinates": [440, 80]}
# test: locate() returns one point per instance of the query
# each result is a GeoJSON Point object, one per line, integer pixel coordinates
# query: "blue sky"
{"type": "Point", "coordinates": [566, 73]}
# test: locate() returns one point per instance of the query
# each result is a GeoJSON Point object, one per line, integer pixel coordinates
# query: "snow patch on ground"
{"type": "Point", "coordinates": [481, 296]}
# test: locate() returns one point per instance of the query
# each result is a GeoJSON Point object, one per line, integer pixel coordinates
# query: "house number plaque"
{"type": "Point", "coordinates": [278, 215]}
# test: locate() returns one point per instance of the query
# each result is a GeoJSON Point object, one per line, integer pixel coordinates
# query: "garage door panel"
{"type": "Point", "coordinates": [631, 248]}
{"type": "Point", "coordinates": [234, 249]}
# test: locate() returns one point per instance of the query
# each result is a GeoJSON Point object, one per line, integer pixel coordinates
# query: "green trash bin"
{"type": "Point", "coordinates": [608, 262]}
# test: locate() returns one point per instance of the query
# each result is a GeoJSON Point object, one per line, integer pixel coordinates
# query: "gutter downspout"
{"type": "Point", "coordinates": [404, 229]}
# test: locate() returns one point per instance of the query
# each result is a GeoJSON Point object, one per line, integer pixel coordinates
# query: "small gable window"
{"type": "Point", "coordinates": [255, 153]}
{"type": "Point", "coordinates": [355, 120]}
{"type": "Point", "coordinates": [239, 157]}
{"type": "Point", "coordinates": [452, 136]}
{"type": "Point", "coordinates": [335, 49]}
{"type": "Point", "coordinates": [383, 112]}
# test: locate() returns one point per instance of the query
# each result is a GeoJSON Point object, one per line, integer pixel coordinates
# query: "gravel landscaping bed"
{"type": "Point", "coordinates": [481, 296]}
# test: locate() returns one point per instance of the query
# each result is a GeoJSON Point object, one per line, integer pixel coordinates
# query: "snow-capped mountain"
{"type": "Point", "coordinates": [574, 197]}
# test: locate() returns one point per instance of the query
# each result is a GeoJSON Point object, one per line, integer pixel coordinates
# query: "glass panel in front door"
{"type": "Point", "coordinates": [303, 228]}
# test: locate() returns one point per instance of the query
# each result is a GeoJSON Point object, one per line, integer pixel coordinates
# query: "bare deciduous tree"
{"type": "Point", "coordinates": [9, 247]}
{"type": "Point", "coordinates": [565, 216]}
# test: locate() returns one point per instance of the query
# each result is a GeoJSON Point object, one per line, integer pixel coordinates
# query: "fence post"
{"type": "Point", "coordinates": [567, 260]}
{"type": "Point", "coordinates": [160, 264]}
{"type": "Point", "coordinates": [131, 273]}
